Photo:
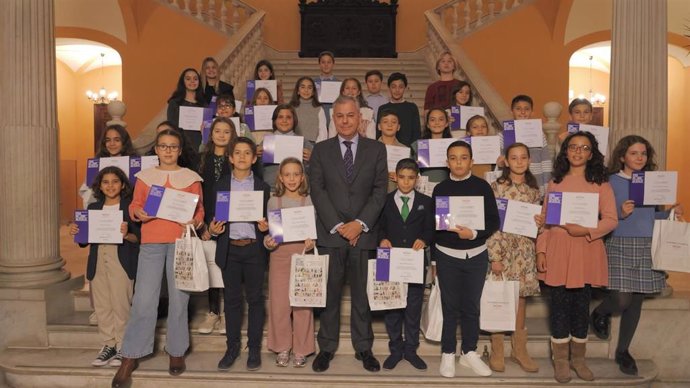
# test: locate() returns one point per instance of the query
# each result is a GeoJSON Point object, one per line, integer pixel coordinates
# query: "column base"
{"type": "Point", "coordinates": [33, 276]}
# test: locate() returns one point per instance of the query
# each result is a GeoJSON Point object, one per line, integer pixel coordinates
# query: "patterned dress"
{"type": "Point", "coordinates": [516, 252]}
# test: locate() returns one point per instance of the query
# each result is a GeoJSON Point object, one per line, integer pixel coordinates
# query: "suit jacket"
{"type": "Point", "coordinates": [338, 201]}
{"type": "Point", "coordinates": [420, 223]}
{"type": "Point", "coordinates": [223, 184]}
{"type": "Point", "coordinates": [127, 252]}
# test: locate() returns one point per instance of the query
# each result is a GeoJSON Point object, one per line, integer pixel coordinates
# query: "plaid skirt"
{"type": "Point", "coordinates": [630, 265]}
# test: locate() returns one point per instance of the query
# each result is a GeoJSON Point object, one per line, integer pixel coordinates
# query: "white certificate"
{"type": "Point", "coordinates": [600, 133]}
{"type": "Point", "coordinates": [395, 154]}
{"type": "Point", "coordinates": [406, 265]}
{"type": "Point", "coordinates": [238, 106]}
{"type": "Point", "coordinates": [485, 149]}
{"type": "Point", "coordinates": [660, 187]}
{"type": "Point", "coordinates": [279, 147]}
{"type": "Point", "coordinates": [529, 132]}
{"type": "Point", "coordinates": [121, 162]}
{"type": "Point", "coordinates": [572, 208]}
{"type": "Point", "coordinates": [271, 85]}
{"type": "Point", "coordinates": [176, 205]}
{"type": "Point", "coordinates": [104, 226]}
{"type": "Point", "coordinates": [259, 117]}
{"type": "Point", "coordinates": [148, 161]}
{"type": "Point", "coordinates": [292, 224]}
{"type": "Point", "coordinates": [191, 118]}
{"type": "Point", "coordinates": [236, 122]}
{"type": "Point", "coordinates": [466, 113]}
{"type": "Point", "coordinates": [518, 217]}
{"type": "Point", "coordinates": [246, 206]}
{"type": "Point", "coordinates": [329, 91]}
{"type": "Point", "coordinates": [467, 211]}
{"type": "Point", "coordinates": [433, 152]}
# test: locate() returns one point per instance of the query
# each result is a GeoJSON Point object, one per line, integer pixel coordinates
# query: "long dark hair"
{"type": "Point", "coordinates": [504, 179]}
{"type": "Point", "coordinates": [127, 147]}
{"type": "Point", "coordinates": [96, 185]}
{"type": "Point", "coordinates": [461, 84]}
{"type": "Point", "coordinates": [615, 163]}
{"type": "Point", "coordinates": [295, 100]}
{"type": "Point", "coordinates": [209, 148]}
{"type": "Point", "coordinates": [180, 91]}
{"type": "Point", "coordinates": [426, 132]}
{"type": "Point", "coordinates": [595, 171]}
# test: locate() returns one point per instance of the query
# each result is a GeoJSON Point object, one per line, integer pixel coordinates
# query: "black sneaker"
{"type": "Point", "coordinates": [106, 353]}
{"type": "Point", "coordinates": [232, 354]}
{"type": "Point", "coordinates": [254, 359]}
{"type": "Point", "coordinates": [601, 324]}
{"type": "Point", "coordinates": [626, 363]}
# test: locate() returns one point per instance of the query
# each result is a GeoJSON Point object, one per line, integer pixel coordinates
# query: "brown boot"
{"type": "Point", "coordinates": [496, 360]}
{"type": "Point", "coordinates": [559, 350]}
{"type": "Point", "coordinates": [578, 348]}
{"type": "Point", "coordinates": [123, 377]}
{"type": "Point", "coordinates": [518, 352]}
{"type": "Point", "coordinates": [177, 366]}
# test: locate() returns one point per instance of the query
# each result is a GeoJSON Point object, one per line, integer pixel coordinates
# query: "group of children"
{"type": "Point", "coordinates": [569, 259]}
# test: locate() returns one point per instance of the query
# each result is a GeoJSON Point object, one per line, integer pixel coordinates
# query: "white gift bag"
{"type": "Point", "coordinates": [191, 271]}
{"type": "Point", "coordinates": [384, 295]}
{"type": "Point", "coordinates": [432, 314]}
{"type": "Point", "coordinates": [671, 245]}
{"type": "Point", "coordinates": [308, 280]}
{"type": "Point", "coordinates": [498, 305]}
{"type": "Point", "coordinates": [215, 276]}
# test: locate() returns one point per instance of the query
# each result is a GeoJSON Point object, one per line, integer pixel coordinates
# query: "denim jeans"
{"type": "Point", "coordinates": [141, 328]}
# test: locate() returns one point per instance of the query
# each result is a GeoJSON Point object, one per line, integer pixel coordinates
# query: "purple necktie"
{"type": "Point", "coordinates": [349, 161]}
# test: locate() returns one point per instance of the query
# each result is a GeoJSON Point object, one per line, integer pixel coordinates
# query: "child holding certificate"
{"type": "Point", "coordinates": [389, 125]}
{"type": "Point", "coordinates": [310, 114]}
{"type": "Point", "coordinates": [264, 71]}
{"type": "Point", "coordinates": [437, 126]}
{"type": "Point", "coordinates": [326, 65]}
{"type": "Point", "coordinates": [631, 276]}
{"type": "Point", "coordinates": [290, 329]}
{"type": "Point", "coordinates": [478, 126]}
{"type": "Point", "coordinates": [580, 111]}
{"type": "Point", "coordinates": [407, 221]}
{"type": "Point", "coordinates": [111, 269]}
{"type": "Point", "coordinates": [241, 256]}
{"type": "Point", "coordinates": [156, 257]}
{"type": "Point", "coordinates": [225, 107]}
{"type": "Point", "coordinates": [261, 97]}
{"type": "Point", "coordinates": [513, 256]}
{"type": "Point", "coordinates": [462, 260]}
{"type": "Point", "coordinates": [571, 258]}
{"type": "Point", "coordinates": [367, 126]}
{"type": "Point", "coordinates": [190, 94]}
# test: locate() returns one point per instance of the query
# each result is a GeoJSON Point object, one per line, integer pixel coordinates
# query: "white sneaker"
{"type": "Point", "coordinates": [473, 361]}
{"type": "Point", "coordinates": [222, 324]}
{"type": "Point", "coordinates": [447, 368]}
{"type": "Point", "coordinates": [209, 324]}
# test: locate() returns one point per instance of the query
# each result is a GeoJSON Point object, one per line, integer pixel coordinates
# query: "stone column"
{"type": "Point", "coordinates": [639, 79]}
{"type": "Point", "coordinates": [29, 204]}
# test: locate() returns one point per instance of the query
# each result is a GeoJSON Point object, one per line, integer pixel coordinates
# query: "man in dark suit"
{"type": "Point", "coordinates": [407, 221]}
{"type": "Point", "coordinates": [348, 188]}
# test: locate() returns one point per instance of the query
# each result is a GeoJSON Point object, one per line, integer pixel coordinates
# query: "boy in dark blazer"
{"type": "Point", "coordinates": [407, 221]}
{"type": "Point", "coordinates": [241, 256]}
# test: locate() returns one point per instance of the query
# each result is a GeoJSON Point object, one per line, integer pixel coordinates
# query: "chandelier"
{"type": "Point", "coordinates": [101, 96]}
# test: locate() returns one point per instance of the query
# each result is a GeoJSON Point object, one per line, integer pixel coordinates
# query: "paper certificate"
{"type": "Point", "coordinates": [239, 206]}
{"type": "Point", "coordinates": [433, 152]}
{"type": "Point", "coordinates": [654, 187]}
{"type": "Point", "coordinates": [130, 165]}
{"type": "Point", "coordinates": [191, 118]}
{"type": "Point", "coordinates": [170, 204]}
{"type": "Point", "coordinates": [572, 208]}
{"type": "Point", "coordinates": [98, 226]}
{"type": "Point", "coordinates": [518, 217]}
{"type": "Point", "coordinates": [253, 85]}
{"type": "Point", "coordinates": [600, 133]}
{"type": "Point", "coordinates": [292, 224]}
{"type": "Point", "coordinates": [400, 265]}
{"type": "Point", "coordinates": [467, 211]}
{"type": "Point", "coordinates": [485, 149]}
{"type": "Point", "coordinates": [528, 132]}
{"type": "Point", "coordinates": [279, 147]}
{"type": "Point", "coordinates": [259, 117]}
{"type": "Point", "coordinates": [395, 154]}
{"type": "Point", "coordinates": [328, 91]}
{"type": "Point", "coordinates": [461, 114]}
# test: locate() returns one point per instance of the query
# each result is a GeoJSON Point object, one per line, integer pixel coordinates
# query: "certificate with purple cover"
{"type": "Point", "coordinates": [572, 208]}
{"type": "Point", "coordinates": [98, 226]}
{"type": "Point", "coordinates": [170, 204]}
{"type": "Point", "coordinates": [279, 147]}
{"type": "Point", "coordinates": [95, 165]}
{"type": "Point", "coordinates": [461, 114]}
{"type": "Point", "coordinates": [600, 133]}
{"type": "Point", "coordinates": [259, 117]}
{"type": "Point", "coordinates": [528, 132]}
{"type": "Point", "coordinates": [138, 163]}
{"type": "Point", "coordinates": [253, 85]}
{"type": "Point", "coordinates": [400, 265]}
{"type": "Point", "coordinates": [654, 187]}
{"type": "Point", "coordinates": [517, 217]}
{"type": "Point", "coordinates": [433, 152]}
{"type": "Point", "coordinates": [239, 206]}
{"type": "Point", "coordinates": [209, 114]}
{"type": "Point", "coordinates": [467, 211]}
{"type": "Point", "coordinates": [292, 224]}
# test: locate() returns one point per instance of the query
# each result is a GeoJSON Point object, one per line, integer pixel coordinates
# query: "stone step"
{"type": "Point", "coordinates": [59, 367]}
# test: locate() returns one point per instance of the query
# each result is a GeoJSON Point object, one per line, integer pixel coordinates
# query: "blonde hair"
{"type": "Point", "coordinates": [303, 188]}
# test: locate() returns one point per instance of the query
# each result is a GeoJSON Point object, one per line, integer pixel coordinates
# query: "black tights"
{"type": "Point", "coordinates": [569, 315]}
{"type": "Point", "coordinates": [214, 300]}
{"type": "Point", "coordinates": [629, 305]}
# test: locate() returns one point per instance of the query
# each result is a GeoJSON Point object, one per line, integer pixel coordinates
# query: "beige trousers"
{"type": "Point", "coordinates": [112, 296]}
